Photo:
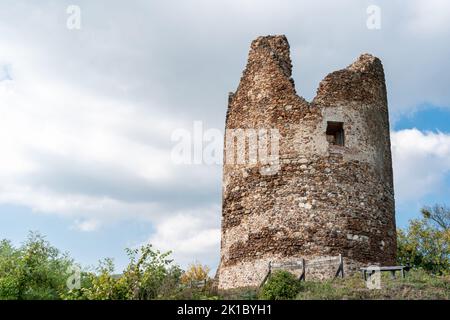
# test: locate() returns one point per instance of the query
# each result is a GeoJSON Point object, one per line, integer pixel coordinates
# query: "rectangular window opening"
{"type": "Point", "coordinates": [335, 133]}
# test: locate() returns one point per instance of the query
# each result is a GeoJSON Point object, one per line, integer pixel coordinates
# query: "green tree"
{"type": "Point", "coordinates": [101, 284]}
{"type": "Point", "coordinates": [36, 270]}
{"type": "Point", "coordinates": [150, 274]}
{"type": "Point", "coordinates": [426, 242]}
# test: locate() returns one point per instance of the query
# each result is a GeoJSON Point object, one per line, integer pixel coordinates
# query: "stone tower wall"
{"type": "Point", "coordinates": [325, 199]}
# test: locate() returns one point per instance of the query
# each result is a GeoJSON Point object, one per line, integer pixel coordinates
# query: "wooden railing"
{"type": "Point", "coordinates": [303, 265]}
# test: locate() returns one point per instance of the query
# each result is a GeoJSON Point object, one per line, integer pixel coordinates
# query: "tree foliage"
{"type": "Point", "coordinates": [281, 285]}
{"type": "Point", "coordinates": [150, 274]}
{"type": "Point", "coordinates": [35, 270]}
{"type": "Point", "coordinates": [196, 272]}
{"type": "Point", "coordinates": [426, 242]}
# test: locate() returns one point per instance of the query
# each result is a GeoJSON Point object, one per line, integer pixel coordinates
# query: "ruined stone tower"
{"type": "Point", "coordinates": [333, 191]}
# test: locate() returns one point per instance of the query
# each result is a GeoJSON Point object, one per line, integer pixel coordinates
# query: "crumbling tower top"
{"type": "Point", "coordinates": [277, 47]}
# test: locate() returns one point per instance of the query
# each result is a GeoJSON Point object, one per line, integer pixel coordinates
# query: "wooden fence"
{"type": "Point", "coordinates": [306, 265]}
{"type": "Point", "coordinates": [197, 283]}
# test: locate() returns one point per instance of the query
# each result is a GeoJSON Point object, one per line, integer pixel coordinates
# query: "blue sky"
{"type": "Point", "coordinates": [427, 118]}
{"type": "Point", "coordinates": [16, 222]}
{"type": "Point", "coordinates": [86, 116]}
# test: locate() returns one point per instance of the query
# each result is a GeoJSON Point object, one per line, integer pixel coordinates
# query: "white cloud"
{"type": "Point", "coordinates": [86, 116]}
{"type": "Point", "coordinates": [192, 236]}
{"type": "Point", "coordinates": [431, 17]}
{"type": "Point", "coordinates": [86, 225]}
{"type": "Point", "coordinates": [69, 151]}
{"type": "Point", "coordinates": [421, 162]}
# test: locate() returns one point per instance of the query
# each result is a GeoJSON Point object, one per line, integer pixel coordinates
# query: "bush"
{"type": "Point", "coordinates": [150, 274]}
{"type": "Point", "coordinates": [36, 270]}
{"type": "Point", "coordinates": [426, 242]}
{"type": "Point", "coordinates": [195, 273]}
{"type": "Point", "coordinates": [281, 285]}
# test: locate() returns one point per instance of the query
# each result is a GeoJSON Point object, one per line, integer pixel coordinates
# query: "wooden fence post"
{"type": "Point", "coordinates": [341, 267]}
{"type": "Point", "coordinates": [303, 275]}
{"type": "Point", "coordinates": [267, 275]}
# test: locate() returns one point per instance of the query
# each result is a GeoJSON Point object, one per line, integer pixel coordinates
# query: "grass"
{"type": "Point", "coordinates": [418, 285]}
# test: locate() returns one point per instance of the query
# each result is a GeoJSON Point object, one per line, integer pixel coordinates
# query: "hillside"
{"type": "Point", "coordinates": [418, 285]}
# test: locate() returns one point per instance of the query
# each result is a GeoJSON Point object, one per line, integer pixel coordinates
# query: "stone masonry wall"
{"type": "Point", "coordinates": [326, 199]}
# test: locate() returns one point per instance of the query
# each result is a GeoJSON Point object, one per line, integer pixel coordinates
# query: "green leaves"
{"type": "Point", "coordinates": [426, 242]}
{"type": "Point", "coordinates": [150, 274]}
{"type": "Point", "coordinates": [36, 270]}
{"type": "Point", "coordinates": [281, 285]}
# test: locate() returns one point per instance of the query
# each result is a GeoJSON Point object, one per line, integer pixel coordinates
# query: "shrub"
{"type": "Point", "coordinates": [36, 270]}
{"type": "Point", "coordinates": [281, 285]}
{"type": "Point", "coordinates": [196, 272]}
{"type": "Point", "coordinates": [149, 275]}
{"type": "Point", "coordinates": [426, 242]}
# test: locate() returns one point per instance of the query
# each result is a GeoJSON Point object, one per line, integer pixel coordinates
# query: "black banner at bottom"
{"type": "Point", "coordinates": [226, 309]}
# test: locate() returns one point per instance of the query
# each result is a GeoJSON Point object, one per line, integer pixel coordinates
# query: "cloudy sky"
{"type": "Point", "coordinates": [86, 115]}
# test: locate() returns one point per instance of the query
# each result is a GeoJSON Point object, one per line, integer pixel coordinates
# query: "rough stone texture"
{"type": "Point", "coordinates": [326, 199]}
